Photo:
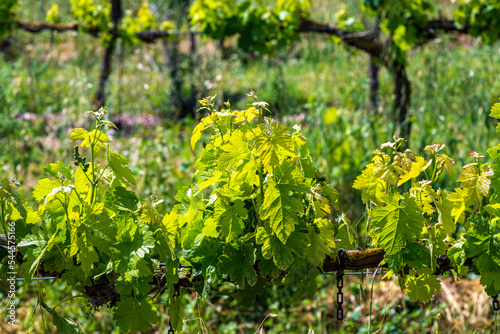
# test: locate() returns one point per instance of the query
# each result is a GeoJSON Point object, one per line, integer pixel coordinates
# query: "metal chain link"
{"type": "Point", "coordinates": [343, 257]}
{"type": "Point", "coordinates": [340, 295]}
{"type": "Point", "coordinates": [496, 305]}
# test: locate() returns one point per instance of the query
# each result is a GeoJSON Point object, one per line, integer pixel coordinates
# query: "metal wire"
{"type": "Point", "coordinates": [34, 278]}
{"type": "Point", "coordinates": [321, 274]}
{"type": "Point", "coordinates": [350, 273]}
{"type": "Point", "coordinates": [163, 264]}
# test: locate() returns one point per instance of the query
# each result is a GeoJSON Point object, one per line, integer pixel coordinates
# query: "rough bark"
{"type": "Point", "coordinates": [373, 71]}
{"type": "Point", "coordinates": [402, 98]}
{"type": "Point", "coordinates": [116, 15]}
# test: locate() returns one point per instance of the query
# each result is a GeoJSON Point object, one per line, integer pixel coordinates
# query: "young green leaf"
{"type": "Point", "coordinates": [417, 167]}
{"type": "Point", "coordinates": [228, 215]}
{"type": "Point", "coordinates": [321, 241]}
{"type": "Point", "coordinates": [475, 183]}
{"type": "Point", "coordinates": [123, 173]}
{"type": "Point", "coordinates": [274, 145]}
{"type": "Point", "coordinates": [134, 314]}
{"type": "Point", "coordinates": [422, 286]}
{"type": "Point", "coordinates": [372, 188]}
{"type": "Point", "coordinates": [63, 324]}
{"type": "Point", "coordinates": [282, 210]}
{"type": "Point", "coordinates": [483, 242]}
{"type": "Point", "coordinates": [396, 223]}
{"type": "Point", "coordinates": [282, 254]}
{"type": "Point", "coordinates": [238, 264]}
{"type": "Point", "coordinates": [94, 139]}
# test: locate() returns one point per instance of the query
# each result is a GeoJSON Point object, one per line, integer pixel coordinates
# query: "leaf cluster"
{"type": "Point", "coordinates": [482, 18]}
{"type": "Point", "coordinates": [414, 220]}
{"type": "Point", "coordinates": [259, 28]}
{"type": "Point", "coordinates": [92, 231]}
{"type": "Point", "coordinates": [256, 213]}
{"type": "Point", "coordinates": [257, 209]}
{"type": "Point", "coordinates": [7, 10]}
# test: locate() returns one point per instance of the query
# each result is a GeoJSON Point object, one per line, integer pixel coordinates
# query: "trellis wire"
{"type": "Point", "coordinates": [322, 274]}
{"type": "Point", "coordinates": [34, 278]}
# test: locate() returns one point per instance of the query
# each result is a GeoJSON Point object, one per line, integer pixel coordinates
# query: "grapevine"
{"type": "Point", "coordinates": [256, 213]}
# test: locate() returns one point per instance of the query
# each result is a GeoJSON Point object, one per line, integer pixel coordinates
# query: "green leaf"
{"type": "Point", "coordinates": [57, 169]}
{"type": "Point", "coordinates": [63, 324]}
{"type": "Point", "coordinates": [475, 183]}
{"type": "Point", "coordinates": [417, 167]}
{"type": "Point", "coordinates": [125, 200]}
{"type": "Point", "coordinates": [248, 295]}
{"type": "Point", "coordinates": [87, 255]}
{"type": "Point", "coordinates": [228, 215]}
{"type": "Point", "coordinates": [282, 210]}
{"type": "Point", "coordinates": [493, 209]}
{"type": "Point", "coordinates": [483, 242]}
{"type": "Point", "coordinates": [234, 153]}
{"type": "Point", "coordinates": [192, 234]}
{"type": "Point", "coordinates": [82, 182]}
{"type": "Point", "coordinates": [205, 258]}
{"type": "Point", "coordinates": [245, 176]}
{"type": "Point", "coordinates": [445, 218]}
{"type": "Point", "coordinates": [119, 165]}
{"type": "Point", "coordinates": [44, 187]}
{"type": "Point", "coordinates": [32, 216]}
{"type": "Point", "coordinates": [495, 182]}
{"type": "Point", "coordinates": [414, 255]}
{"type": "Point", "coordinates": [38, 239]}
{"type": "Point", "coordinates": [396, 223]}
{"type": "Point", "coordinates": [495, 112]}
{"type": "Point", "coordinates": [246, 115]}
{"type": "Point", "coordinates": [238, 264]}
{"type": "Point", "coordinates": [135, 314]}
{"type": "Point", "coordinates": [372, 188]}
{"type": "Point", "coordinates": [176, 313]}
{"type": "Point", "coordinates": [197, 131]}
{"type": "Point", "coordinates": [282, 254]}
{"type": "Point", "coordinates": [305, 159]}
{"type": "Point", "coordinates": [205, 180]}
{"type": "Point", "coordinates": [457, 255]}
{"type": "Point", "coordinates": [289, 176]}
{"type": "Point", "coordinates": [78, 133]}
{"type": "Point", "coordinates": [171, 276]}
{"type": "Point", "coordinates": [491, 282]}
{"type": "Point", "coordinates": [133, 243]}
{"type": "Point", "coordinates": [168, 234]}
{"type": "Point", "coordinates": [345, 234]}
{"type": "Point", "coordinates": [8, 191]}
{"type": "Point", "coordinates": [207, 159]}
{"type": "Point", "coordinates": [321, 241]}
{"type": "Point", "coordinates": [267, 268]}
{"type": "Point", "coordinates": [457, 199]}
{"type": "Point", "coordinates": [422, 286]}
{"type": "Point", "coordinates": [384, 170]}
{"type": "Point", "coordinates": [307, 286]}
{"type": "Point", "coordinates": [95, 138]}
{"type": "Point", "coordinates": [149, 214]}
{"type": "Point", "coordinates": [273, 146]}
